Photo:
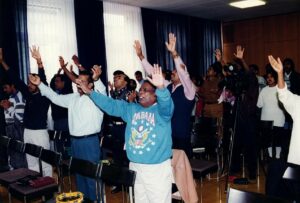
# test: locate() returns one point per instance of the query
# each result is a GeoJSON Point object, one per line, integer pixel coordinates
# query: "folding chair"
{"type": "Point", "coordinates": [9, 177]}
{"type": "Point", "coordinates": [116, 175]}
{"type": "Point", "coordinates": [87, 169]}
{"type": "Point", "coordinates": [48, 186]}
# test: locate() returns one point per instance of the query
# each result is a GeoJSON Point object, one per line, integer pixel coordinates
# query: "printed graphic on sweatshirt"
{"type": "Point", "coordinates": [142, 138]}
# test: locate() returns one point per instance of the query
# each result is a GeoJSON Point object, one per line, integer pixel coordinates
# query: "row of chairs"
{"type": "Point", "coordinates": [102, 172]}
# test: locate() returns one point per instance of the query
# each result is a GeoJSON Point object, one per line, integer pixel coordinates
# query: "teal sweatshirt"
{"type": "Point", "coordinates": [148, 130]}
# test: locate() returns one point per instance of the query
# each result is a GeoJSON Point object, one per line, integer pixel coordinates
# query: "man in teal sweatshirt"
{"type": "Point", "coordinates": [148, 136]}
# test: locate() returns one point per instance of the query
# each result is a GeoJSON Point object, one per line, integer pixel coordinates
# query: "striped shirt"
{"type": "Point", "coordinates": [16, 111]}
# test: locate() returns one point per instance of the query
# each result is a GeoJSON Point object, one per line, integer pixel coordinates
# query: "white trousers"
{"type": "Point", "coordinates": [40, 138]}
{"type": "Point", "coordinates": [153, 182]}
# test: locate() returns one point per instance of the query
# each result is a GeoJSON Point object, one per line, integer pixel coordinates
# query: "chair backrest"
{"type": "Point", "coordinates": [113, 174]}
{"type": "Point", "coordinates": [235, 196]}
{"type": "Point", "coordinates": [51, 157]}
{"type": "Point", "coordinates": [84, 167]}
{"type": "Point", "coordinates": [4, 141]}
{"type": "Point", "coordinates": [292, 174]}
{"type": "Point", "coordinates": [16, 145]}
{"type": "Point", "coordinates": [33, 150]}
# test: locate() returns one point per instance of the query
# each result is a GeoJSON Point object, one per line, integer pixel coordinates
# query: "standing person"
{"type": "Point", "coordinates": [271, 111]}
{"type": "Point", "coordinates": [118, 125]}
{"type": "Point", "coordinates": [148, 136]}
{"type": "Point", "coordinates": [246, 92]}
{"type": "Point", "coordinates": [291, 77]}
{"type": "Point", "coordinates": [291, 103]}
{"type": "Point", "coordinates": [35, 113]}
{"type": "Point", "coordinates": [182, 92]}
{"type": "Point", "coordinates": [14, 112]}
{"type": "Point", "coordinates": [85, 121]}
{"type": "Point", "coordinates": [61, 84]}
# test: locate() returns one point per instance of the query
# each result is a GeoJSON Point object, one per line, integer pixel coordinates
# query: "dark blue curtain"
{"type": "Point", "coordinates": [196, 39]}
{"type": "Point", "coordinates": [90, 34]}
{"type": "Point", "coordinates": [14, 35]}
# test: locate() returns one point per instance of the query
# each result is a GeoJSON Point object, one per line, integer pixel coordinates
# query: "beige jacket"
{"type": "Point", "coordinates": [183, 176]}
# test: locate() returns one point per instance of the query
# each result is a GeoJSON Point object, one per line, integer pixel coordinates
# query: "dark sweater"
{"type": "Point", "coordinates": [182, 113]}
{"type": "Point", "coordinates": [36, 108]}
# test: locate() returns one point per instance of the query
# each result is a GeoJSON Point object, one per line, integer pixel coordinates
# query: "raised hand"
{"type": "Point", "coordinates": [77, 63]}
{"type": "Point", "coordinates": [276, 64]}
{"type": "Point", "coordinates": [34, 79]}
{"type": "Point", "coordinates": [138, 49]}
{"type": "Point", "coordinates": [96, 72]}
{"type": "Point", "coordinates": [62, 62]}
{"type": "Point", "coordinates": [86, 88]}
{"type": "Point", "coordinates": [157, 77]}
{"type": "Point", "coordinates": [171, 45]}
{"type": "Point", "coordinates": [75, 60]}
{"type": "Point", "coordinates": [239, 52]}
{"type": "Point", "coordinates": [35, 53]}
{"type": "Point", "coordinates": [218, 54]}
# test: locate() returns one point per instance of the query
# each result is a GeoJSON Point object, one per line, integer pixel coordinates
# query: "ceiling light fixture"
{"type": "Point", "coordinates": [247, 3]}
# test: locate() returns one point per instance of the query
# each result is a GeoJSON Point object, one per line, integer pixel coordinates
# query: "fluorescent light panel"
{"type": "Point", "coordinates": [247, 3]}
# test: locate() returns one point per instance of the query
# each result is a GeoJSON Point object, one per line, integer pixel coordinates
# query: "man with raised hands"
{"type": "Point", "coordinates": [85, 121]}
{"type": "Point", "coordinates": [148, 136]}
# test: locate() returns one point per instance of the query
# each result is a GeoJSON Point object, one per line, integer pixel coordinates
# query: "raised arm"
{"type": "Point", "coordinates": [21, 86]}
{"type": "Point", "coordinates": [240, 56]}
{"type": "Point", "coordinates": [99, 87]}
{"type": "Point", "coordinates": [35, 53]}
{"type": "Point", "coordinates": [189, 87]}
{"type": "Point", "coordinates": [289, 100]}
{"type": "Point", "coordinates": [219, 56]}
{"type": "Point", "coordinates": [69, 74]}
{"type": "Point", "coordinates": [146, 65]}
{"type": "Point", "coordinates": [77, 63]}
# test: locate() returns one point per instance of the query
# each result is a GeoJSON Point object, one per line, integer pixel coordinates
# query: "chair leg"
{"type": "Point", "coordinates": [25, 200]}
{"type": "Point", "coordinates": [123, 194]}
{"type": "Point", "coordinates": [131, 195]}
{"type": "Point", "coordinates": [9, 197]}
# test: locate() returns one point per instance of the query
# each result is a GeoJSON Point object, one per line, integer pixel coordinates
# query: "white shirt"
{"type": "Point", "coordinates": [291, 103]}
{"type": "Point", "coordinates": [268, 101]}
{"type": "Point", "coordinates": [85, 117]}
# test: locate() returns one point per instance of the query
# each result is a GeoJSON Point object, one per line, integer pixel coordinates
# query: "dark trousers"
{"type": "Point", "coordinates": [118, 141]}
{"type": "Point", "coordinates": [87, 148]}
{"type": "Point", "coordinates": [16, 131]}
{"type": "Point", "coordinates": [245, 141]}
{"type": "Point", "coordinates": [3, 159]}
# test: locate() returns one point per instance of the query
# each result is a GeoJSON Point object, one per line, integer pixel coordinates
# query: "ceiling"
{"type": "Point", "coordinates": [216, 9]}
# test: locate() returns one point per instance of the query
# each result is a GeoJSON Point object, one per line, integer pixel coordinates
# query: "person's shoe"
{"type": "Point", "coordinates": [116, 189]}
